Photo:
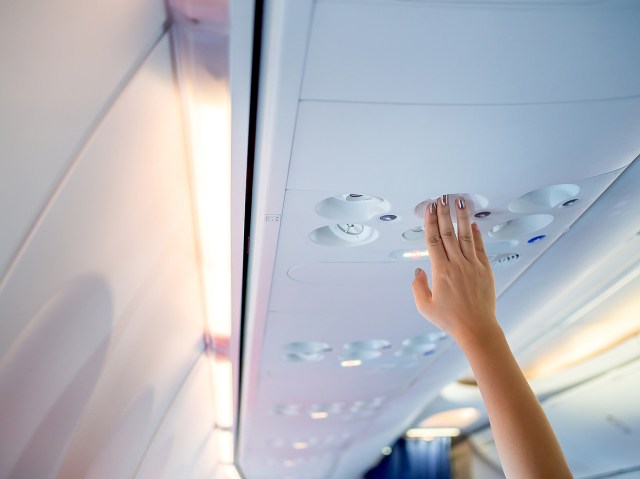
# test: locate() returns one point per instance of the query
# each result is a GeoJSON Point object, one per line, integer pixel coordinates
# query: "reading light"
{"type": "Point", "coordinates": [418, 253]}
{"type": "Point", "coordinates": [350, 363]}
{"type": "Point", "coordinates": [431, 432]}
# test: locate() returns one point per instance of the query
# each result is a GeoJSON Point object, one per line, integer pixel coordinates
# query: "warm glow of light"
{"type": "Point", "coordinates": [211, 153]}
{"type": "Point", "coordinates": [319, 415]}
{"type": "Point", "coordinates": [459, 418]}
{"type": "Point", "coordinates": [350, 363]}
{"type": "Point", "coordinates": [227, 472]}
{"type": "Point", "coordinates": [300, 445]}
{"type": "Point", "coordinates": [225, 446]}
{"type": "Point", "coordinates": [431, 432]}
{"type": "Point", "coordinates": [581, 342]}
{"type": "Point", "coordinates": [222, 374]}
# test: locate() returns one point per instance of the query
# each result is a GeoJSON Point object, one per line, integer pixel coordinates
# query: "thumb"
{"type": "Point", "coordinates": [421, 290]}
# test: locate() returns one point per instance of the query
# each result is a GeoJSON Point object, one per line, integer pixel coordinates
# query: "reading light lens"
{"type": "Point", "coordinates": [415, 254]}
{"type": "Point", "coordinates": [349, 363]}
{"type": "Point", "coordinates": [431, 432]}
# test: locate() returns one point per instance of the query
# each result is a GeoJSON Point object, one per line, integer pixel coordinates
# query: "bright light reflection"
{"type": "Point", "coordinates": [300, 445]}
{"type": "Point", "coordinates": [211, 153]}
{"type": "Point", "coordinates": [611, 326]}
{"type": "Point", "coordinates": [319, 415]}
{"type": "Point", "coordinates": [223, 392]}
{"type": "Point", "coordinates": [225, 446]}
{"type": "Point", "coordinates": [460, 418]}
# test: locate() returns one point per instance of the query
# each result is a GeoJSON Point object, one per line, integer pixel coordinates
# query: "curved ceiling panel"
{"type": "Point", "coordinates": [404, 51]}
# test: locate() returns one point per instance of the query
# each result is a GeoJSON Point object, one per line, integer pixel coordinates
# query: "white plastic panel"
{"type": "Point", "coordinates": [403, 51]}
{"type": "Point", "coordinates": [444, 149]}
{"type": "Point", "coordinates": [184, 445]}
{"type": "Point", "coordinates": [81, 350]}
{"type": "Point", "coordinates": [120, 208]}
{"type": "Point", "coordinates": [147, 363]}
{"type": "Point", "coordinates": [608, 440]}
{"type": "Point", "coordinates": [61, 64]}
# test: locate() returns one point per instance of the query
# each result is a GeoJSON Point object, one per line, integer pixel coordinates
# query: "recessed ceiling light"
{"type": "Point", "coordinates": [349, 363]}
{"type": "Point", "coordinates": [417, 253]}
{"type": "Point", "coordinates": [319, 415]}
{"type": "Point", "coordinates": [431, 432]}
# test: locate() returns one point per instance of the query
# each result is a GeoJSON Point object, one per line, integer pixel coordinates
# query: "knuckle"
{"type": "Point", "coordinates": [450, 233]}
{"type": "Point", "coordinates": [434, 239]}
{"type": "Point", "coordinates": [466, 238]}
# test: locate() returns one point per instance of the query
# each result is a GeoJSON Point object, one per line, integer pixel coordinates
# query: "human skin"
{"type": "Point", "coordinates": [462, 302]}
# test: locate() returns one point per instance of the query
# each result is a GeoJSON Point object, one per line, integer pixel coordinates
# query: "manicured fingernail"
{"type": "Point", "coordinates": [444, 199]}
{"type": "Point", "coordinates": [432, 208]}
{"type": "Point", "coordinates": [418, 270]}
{"type": "Point", "coordinates": [461, 203]}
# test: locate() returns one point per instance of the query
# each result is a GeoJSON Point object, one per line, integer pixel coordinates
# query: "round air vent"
{"type": "Point", "coordinates": [344, 234]}
{"type": "Point", "coordinates": [520, 226]}
{"type": "Point", "coordinates": [546, 198]}
{"type": "Point", "coordinates": [353, 207]}
{"type": "Point", "coordinates": [306, 351]}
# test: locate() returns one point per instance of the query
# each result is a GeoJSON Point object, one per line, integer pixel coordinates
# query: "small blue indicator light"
{"type": "Point", "coordinates": [535, 239]}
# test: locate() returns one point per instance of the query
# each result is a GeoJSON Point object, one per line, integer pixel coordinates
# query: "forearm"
{"type": "Point", "coordinates": [513, 409]}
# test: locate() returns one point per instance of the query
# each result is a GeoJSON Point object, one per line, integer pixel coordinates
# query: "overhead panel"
{"type": "Point", "coordinates": [401, 102]}
{"type": "Point", "coordinates": [472, 52]}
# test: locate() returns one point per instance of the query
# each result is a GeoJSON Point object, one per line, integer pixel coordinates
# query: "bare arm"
{"type": "Point", "coordinates": [462, 302]}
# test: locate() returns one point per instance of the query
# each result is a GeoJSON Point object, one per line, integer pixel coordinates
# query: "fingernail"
{"type": "Point", "coordinates": [475, 226]}
{"type": "Point", "coordinates": [461, 203]}
{"type": "Point", "coordinates": [432, 208]}
{"type": "Point", "coordinates": [445, 200]}
{"type": "Point", "coordinates": [418, 270]}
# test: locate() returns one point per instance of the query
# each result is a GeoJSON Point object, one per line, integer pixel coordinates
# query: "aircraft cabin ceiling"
{"type": "Point", "coordinates": [212, 212]}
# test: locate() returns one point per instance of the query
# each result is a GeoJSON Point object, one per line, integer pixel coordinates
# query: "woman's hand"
{"type": "Point", "coordinates": [462, 302]}
{"type": "Point", "coordinates": [462, 297]}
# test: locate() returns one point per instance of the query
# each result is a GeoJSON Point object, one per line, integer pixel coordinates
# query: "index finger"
{"type": "Point", "coordinates": [437, 253]}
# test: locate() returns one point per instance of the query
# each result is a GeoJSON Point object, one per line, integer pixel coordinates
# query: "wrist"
{"type": "Point", "coordinates": [483, 335]}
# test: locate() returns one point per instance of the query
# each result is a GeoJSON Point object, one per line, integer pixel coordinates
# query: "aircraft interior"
{"type": "Point", "coordinates": [212, 211]}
